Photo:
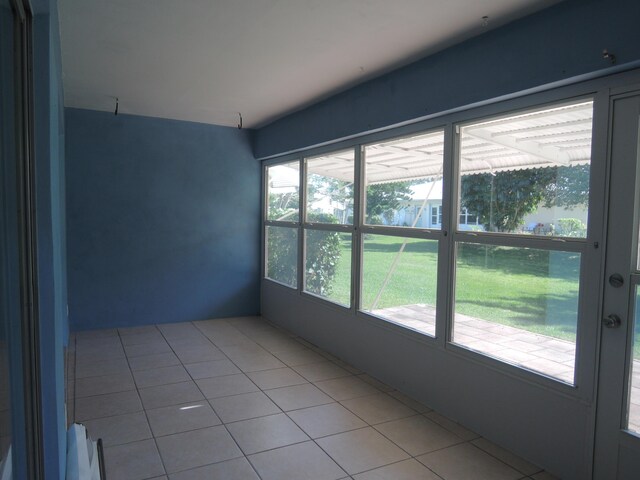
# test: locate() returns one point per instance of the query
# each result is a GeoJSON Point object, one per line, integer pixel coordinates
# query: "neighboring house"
{"type": "Point", "coordinates": [426, 206]}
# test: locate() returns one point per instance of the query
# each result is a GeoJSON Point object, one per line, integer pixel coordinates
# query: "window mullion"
{"type": "Point", "coordinates": [446, 247]}
{"type": "Point", "coordinates": [522, 241]}
{"type": "Point", "coordinates": [303, 219]}
{"type": "Point", "coordinates": [358, 220]}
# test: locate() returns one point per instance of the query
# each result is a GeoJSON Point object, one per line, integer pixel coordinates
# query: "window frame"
{"type": "Point", "coordinates": [587, 333]}
{"type": "Point", "coordinates": [266, 222]}
{"type": "Point", "coordinates": [349, 228]}
{"type": "Point", "coordinates": [541, 242]}
{"type": "Point", "coordinates": [430, 233]}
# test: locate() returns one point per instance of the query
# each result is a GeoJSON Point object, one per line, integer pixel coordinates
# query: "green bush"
{"type": "Point", "coordinates": [375, 220]}
{"type": "Point", "coordinates": [323, 254]}
{"type": "Point", "coordinates": [571, 227]}
{"type": "Point", "coordinates": [282, 255]}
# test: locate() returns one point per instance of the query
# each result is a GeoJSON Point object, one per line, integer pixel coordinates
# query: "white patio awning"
{"type": "Point", "coordinates": [559, 136]}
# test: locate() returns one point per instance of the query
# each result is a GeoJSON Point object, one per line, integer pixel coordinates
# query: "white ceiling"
{"type": "Point", "coordinates": [207, 60]}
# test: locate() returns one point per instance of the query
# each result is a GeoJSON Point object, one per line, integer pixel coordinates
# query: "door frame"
{"type": "Point", "coordinates": [621, 249]}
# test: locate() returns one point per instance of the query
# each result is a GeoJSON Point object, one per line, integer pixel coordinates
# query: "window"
{"type": "Point", "coordinates": [281, 223]}
{"type": "Point", "coordinates": [403, 177]}
{"type": "Point", "coordinates": [282, 255]}
{"type": "Point", "coordinates": [283, 192]}
{"type": "Point", "coordinates": [529, 173]}
{"type": "Point", "coordinates": [633, 412]}
{"type": "Point", "coordinates": [467, 218]}
{"type": "Point", "coordinates": [399, 280]}
{"type": "Point", "coordinates": [403, 180]}
{"type": "Point", "coordinates": [329, 184]}
{"type": "Point", "coordinates": [436, 215]}
{"type": "Point", "coordinates": [328, 227]}
{"type": "Point", "coordinates": [526, 178]}
{"type": "Point", "coordinates": [514, 232]}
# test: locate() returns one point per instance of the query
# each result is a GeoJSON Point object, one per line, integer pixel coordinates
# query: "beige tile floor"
{"type": "Point", "coordinates": [238, 399]}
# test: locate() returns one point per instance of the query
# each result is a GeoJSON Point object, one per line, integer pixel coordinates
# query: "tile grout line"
{"type": "Point", "coordinates": [267, 349]}
{"type": "Point", "coordinates": [144, 410]}
{"type": "Point", "coordinates": [368, 425]}
{"type": "Point", "coordinates": [207, 400]}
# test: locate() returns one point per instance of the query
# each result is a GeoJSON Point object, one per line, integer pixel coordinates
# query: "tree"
{"type": "Point", "coordinates": [384, 198]}
{"type": "Point", "coordinates": [571, 187]}
{"type": "Point", "coordinates": [502, 200]}
{"type": "Point", "coordinates": [284, 206]}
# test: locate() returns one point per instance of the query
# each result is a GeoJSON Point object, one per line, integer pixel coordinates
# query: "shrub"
{"type": "Point", "coordinates": [571, 227]}
{"type": "Point", "coordinates": [282, 255]}
{"type": "Point", "coordinates": [323, 254]}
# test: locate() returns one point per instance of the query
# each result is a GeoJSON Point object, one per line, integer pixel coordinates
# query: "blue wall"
{"type": "Point", "coordinates": [51, 238]}
{"type": "Point", "coordinates": [558, 43]}
{"type": "Point", "coordinates": [163, 220]}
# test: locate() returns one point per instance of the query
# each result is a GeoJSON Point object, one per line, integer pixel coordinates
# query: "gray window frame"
{"type": "Point", "coordinates": [590, 304]}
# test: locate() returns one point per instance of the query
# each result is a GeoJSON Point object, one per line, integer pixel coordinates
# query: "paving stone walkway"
{"type": "Point", "coordinates": [541, 353]}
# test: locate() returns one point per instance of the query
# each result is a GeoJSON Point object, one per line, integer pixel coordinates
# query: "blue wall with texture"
{"type": "Point", "coordinates": [556, 44]}
{"type": "Point", "coordinates": [163, 220]}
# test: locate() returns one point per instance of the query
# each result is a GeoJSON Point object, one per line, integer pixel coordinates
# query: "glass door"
{"type": "Point", "coordinates": [9, 295]}
{"type": "Point", "coordinates": [20, 426]}
{"type": "Point", "coordinates": [617, 454]}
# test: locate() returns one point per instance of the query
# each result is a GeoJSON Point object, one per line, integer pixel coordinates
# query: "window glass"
{"type": "Point", "coordinates": [633, 422]}
{"type": "Point", "coordinates": [404, 181]}
{"type": "Point", "coordinates": [519, 305]}
{"type": "Point", "coordinates": [399, 280]}
{"type": "Point", "coordinates": [282, 255]}
{"type": "Point", "coordinates": [328, 265]}
{"type": "Point", "coordinates": [283, 192]}
{"type": "Point", "coordinates": [468, 220]}
{"type": "Point", "coordinates": [436, 215]}
{"type": "Point", "coordinates": [330, 188]}
{"type": "Point", "coordinates": [11, 418]}
{"type": "Point", "coordinates": [529, 173]}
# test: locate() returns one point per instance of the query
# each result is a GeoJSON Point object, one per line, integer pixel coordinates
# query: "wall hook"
{"type": "Point", "coordinates": [240, 124]}
{"type": "Point", "coordinates": [116, 112]}
{"type": "Point", "coordinates": [609, 56]}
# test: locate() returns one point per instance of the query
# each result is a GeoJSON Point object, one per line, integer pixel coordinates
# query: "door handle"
{"type": "Point", "coordinates": [611, 321]}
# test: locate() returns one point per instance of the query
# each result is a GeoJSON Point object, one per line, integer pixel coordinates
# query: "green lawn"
{"type": "Point", "coordinates": [535, 290]}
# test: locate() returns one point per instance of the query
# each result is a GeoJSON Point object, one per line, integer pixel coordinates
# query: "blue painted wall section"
{"type": "Point", "coordinates": [51, 241]}
{"type": "Point", "coordinates": [558, 43]}
{"type": "Point", "coordinates": [163, 220]}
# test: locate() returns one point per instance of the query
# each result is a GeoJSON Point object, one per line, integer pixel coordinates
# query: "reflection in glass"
{"type": "Point", "coordinates": [283, 192]}
{"type": "Point", "coordinates": [9, 274]}
{"type": "Point", "coordinates": [330, 188]}
{"type": "Point", "coordinates": [528, 173]}
{"type": "Point", "coordinates": [282, 255]}
{"type": "Point", "coordinates": [519, 305]}
{"type": "Point", "coordinates": [399, 280]}
{"type": "Point", "coordinates": [404, 181]}
{"type": "Point", "coordinates": [634, 372]}
{"type": "Point", "coordinates": [328, 265]}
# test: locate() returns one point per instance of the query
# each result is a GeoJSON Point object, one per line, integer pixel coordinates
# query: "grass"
{"type": "Point", "coordinates": [535, 290]}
